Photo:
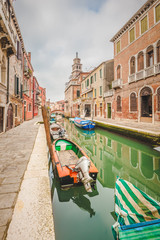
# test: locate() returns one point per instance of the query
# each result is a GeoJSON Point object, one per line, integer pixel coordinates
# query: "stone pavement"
{"type": "Point", "coordinates": [17, 149]}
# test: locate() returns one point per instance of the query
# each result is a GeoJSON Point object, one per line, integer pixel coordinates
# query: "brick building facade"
{"type": "Point", "coordinates": [137, 66]}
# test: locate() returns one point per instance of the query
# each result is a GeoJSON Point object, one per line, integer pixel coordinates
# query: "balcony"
{"type": "Point", "coordinates": [157, 68]}
{"type": "Point", "coordinates": [140, 75]}
{"type": "Point", "coordinates": [132, 78]}
{"type": "Point", "coordinates": [71, 83]}
{"type": "Point", "coordinates": [7, 31]}
{"type": "Point", "coordinates": [109, 93]}
{"type": "Point", "coordinates": [117, 83]}
{"type": "Point", "coordinates": [149, 71]}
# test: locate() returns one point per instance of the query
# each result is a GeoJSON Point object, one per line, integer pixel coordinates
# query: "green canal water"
{"type": "Point", "coordinates": [79, 215]}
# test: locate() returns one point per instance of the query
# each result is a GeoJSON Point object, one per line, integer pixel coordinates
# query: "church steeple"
{"type": "Point", "coordinates": [77, 66]}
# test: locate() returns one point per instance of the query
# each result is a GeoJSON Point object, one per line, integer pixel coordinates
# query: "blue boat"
{"type": "Point", "coordinates": [84, 124]}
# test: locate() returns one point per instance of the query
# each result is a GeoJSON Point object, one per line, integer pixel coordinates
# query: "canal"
{"type": "Point", "coordinates": [80, 215]}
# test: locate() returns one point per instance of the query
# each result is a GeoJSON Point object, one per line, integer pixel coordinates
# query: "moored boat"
{"type": "Point", "coordinates": [57, 131]}
{"type": "Point", "coordinates": [73, 165]}
{"type": "Point", "coordinates": [138, 215]}
{"type": "Point", "coordinates": [84, 124]}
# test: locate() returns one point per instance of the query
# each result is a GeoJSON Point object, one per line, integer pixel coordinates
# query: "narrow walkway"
{"type": "Point", "coordinates": [16, 147]}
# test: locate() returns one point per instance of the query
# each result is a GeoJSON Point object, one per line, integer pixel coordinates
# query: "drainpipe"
{"type": "Point", "coordinates": [8, 80]}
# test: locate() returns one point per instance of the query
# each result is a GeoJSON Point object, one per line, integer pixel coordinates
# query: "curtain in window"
{"type": "Point", "coordinates": [144, 25]}
{"type": "Point", "coordinates": [158, 52]}
{"type": "Point", "coordinates": [158, 13]}
{"type": "Point", "coordinates": [118, 72]}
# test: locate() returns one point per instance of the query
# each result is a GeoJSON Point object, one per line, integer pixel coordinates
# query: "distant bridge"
{"type": "Point", "coordinates": [57, 111]}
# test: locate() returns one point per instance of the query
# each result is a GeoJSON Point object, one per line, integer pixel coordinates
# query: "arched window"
{"type": "Point", "coordinates": [133, 102]}
{"type": "Point", "coordinates": [119, 108]}
{"type": "Point", "coordinates": [3, 71]}
{"type": "Point", "coordinates": [132, 65]}
{"type": "Point", "coordinates": [158, 51]}
{"type": "Point", "coordinates": [118, 72]}
{"type": "Point", "coordinates": [158, 99]}
{"type": "Point", "coordinates": [140, 61]}
{"type": "Point", "coordinates": [149, 56]}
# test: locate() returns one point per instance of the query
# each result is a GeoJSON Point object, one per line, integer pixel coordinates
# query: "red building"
{"type": "Point", "coordinates": [36, 98]}
{"type": "Point", "coordinates": [42, 96]}
{"type": "Point", "coordinates": [137, 66]}
{"type": "Point", "coordinates": [27, 87]}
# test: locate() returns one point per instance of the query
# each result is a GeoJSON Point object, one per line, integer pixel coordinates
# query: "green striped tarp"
{"type": "Point", "coordinates": [133, 205]}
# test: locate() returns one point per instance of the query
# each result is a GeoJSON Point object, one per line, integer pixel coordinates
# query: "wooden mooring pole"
{"type": "Point", "coordinates": [48, 137]}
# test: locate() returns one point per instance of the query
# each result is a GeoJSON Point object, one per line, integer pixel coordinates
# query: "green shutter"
{"type": "Point", "coordinates": [144, 25]}
{"type": "Point", "coordinates": [132, 35]}
{"type": "Point", "coordinates": [158, 13]}
{"type": "Point", "coordinates": [118, 46]}
{"type": "Point", "coordinates": [15, 85]}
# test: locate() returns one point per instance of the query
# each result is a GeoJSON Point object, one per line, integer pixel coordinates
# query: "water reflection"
{"type": "Point", "coordinates": [74, 194]}
{"type": "Point", "coordinates": [114, 156]}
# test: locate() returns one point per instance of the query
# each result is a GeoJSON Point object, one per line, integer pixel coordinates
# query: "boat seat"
{"type": "Point", "coordinates": [63, 146]}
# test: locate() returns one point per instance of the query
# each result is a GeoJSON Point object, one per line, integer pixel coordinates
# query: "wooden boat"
{"type": "Point", "coordinates": [138, 215]}
{"type": "Point", "coordinates": [57, 131]}
{"type": "Point", "coordinates": [73, 165]}
{"type": "Point", "coordinates": [84, 124]}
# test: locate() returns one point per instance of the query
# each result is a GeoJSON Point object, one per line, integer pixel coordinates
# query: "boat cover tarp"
{"type": "Point", "coordinates": [133, 205]}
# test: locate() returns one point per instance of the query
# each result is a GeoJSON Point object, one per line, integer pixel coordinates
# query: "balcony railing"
{"type": "Point", "coordinates": [140, 75]}
{"type": "Point", "coordinates": [117, 83]}
{"type": "Point", "coordinates": [4, 18]}
{"type": "Point", "coordinates": [149, 71]}
{"type": "Point", "coordinates": [132, 78]}
{"type": "Point", "coordinates": [109, 93]}
{"type": "Point", "coordinates": [71, 83]}
{"type": "Point", "coordinates": [157, 68]}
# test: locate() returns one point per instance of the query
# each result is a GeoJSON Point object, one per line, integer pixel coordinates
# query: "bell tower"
{"type": "Point", "coordinates": [77, 66]}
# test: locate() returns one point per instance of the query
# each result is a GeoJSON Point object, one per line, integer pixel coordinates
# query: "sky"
{"type": "Point", "coordinates": [54, 30]}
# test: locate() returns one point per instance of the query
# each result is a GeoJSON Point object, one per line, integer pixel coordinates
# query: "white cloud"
{"type": "Point", "coordinates": [54, 30]}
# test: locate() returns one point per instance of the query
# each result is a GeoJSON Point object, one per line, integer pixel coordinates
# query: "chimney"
{"type": "Point", "coordinates": [29, 56]}
{"type": "Point", "coordinates": [76, 54]}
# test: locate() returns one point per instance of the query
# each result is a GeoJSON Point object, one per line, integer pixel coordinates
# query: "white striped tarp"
{"type": "Point", "coordinates": [133, 205]}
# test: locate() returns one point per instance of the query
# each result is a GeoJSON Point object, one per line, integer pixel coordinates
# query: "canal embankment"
{"type": "Point", "coordinates": [147, 132]}
{"type": "Point", "coordinates": [25, 199]}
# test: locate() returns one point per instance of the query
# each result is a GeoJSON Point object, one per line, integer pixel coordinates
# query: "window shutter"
{"type": "Point", "coordinates": [158, 13]}
{"type": "Point", "coordinates": [158, 99]}
{"type": "Point", "coordinates": [132, 36]}
{"type": "Point", "coordinates": [144, 25]}
{"type": "Point", "coordinates": [118, 47]}
{"type": "Point", "coordinates": [15, 85]}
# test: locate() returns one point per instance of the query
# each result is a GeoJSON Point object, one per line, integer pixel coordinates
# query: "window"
{"type": "Point", "coordinates": [29, 107]}
{"type": "Point", "coordinates": [95, 77]}
{"type": "Point", "coordinates": [140, 61]}
{"type": "Point", "coordinates": [158, 51]}
{"type": "Point", "coordinates": [95, 93]}
{"type": "Point", "coordinates": [91, 79]}
{"type": "Point", "coordinates": [82, 85]}
{"type": "Point", "coordinates": [132, 35]}
{"type": "Point", "coordinates": [158, 99]}
{"type": "Point", "coordinates": [3, 71]}
{"type": "Point", "coordinates": [144, 25]}
{"type": "Point", "coordinates": [118, 72]}
{"type": "Point", "coordinates": [19, 51]}
{"type": "Point", "coordinates": [132, 65]}
{"type": "Point", "coordinates": [119, 104]}
{"type": "Point", "coordinates": [100, 91]}
{"type": "Point", "coordinates": [100, 73]}
{"type": "Point", "coordinates": [118, 47]}
{"type": "Point", "coordinates": [149, 56]}
{"type": "Point", "coordinates": [133, 102]}
{"type": "Point", "coordinates": [16, 85]}
{"type": "Point", "coordinates": [87, 82]}
{"type": "Point", "coordinates": [78, 93]}
{"type": "Point", "coordinates": [15, 110]}
{"type": "Point", "coordinates": [157, 12]}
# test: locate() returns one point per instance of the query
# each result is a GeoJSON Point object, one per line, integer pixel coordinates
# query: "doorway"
{"type": "Point", "coordinates": [146, 104]}
{"type": "Point", "coordinates": [109, 110]}
{"type": "Point", "coordinates": [87, 110]}
{"type": "Point", "coordinates": [10, 117]}
{"type": "Point", "coordinates": [1, 119]}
